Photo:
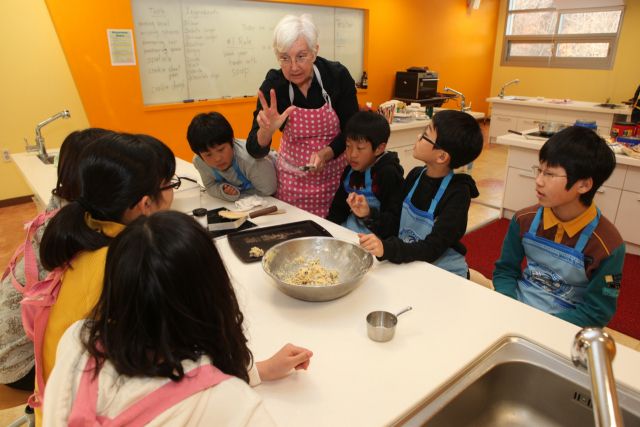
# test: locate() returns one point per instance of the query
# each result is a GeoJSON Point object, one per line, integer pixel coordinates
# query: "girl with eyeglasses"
{"type": "Point", "coordinates": [310, 99]}
{"type": "Point", "coordinates": [120, 178]}
{"type": "Point", "coordinates": [165, 344]}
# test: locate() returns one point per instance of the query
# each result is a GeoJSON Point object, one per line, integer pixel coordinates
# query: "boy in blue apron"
{"type": "Point", "coordinates": [574, 254]}
{"type": "Point", "coordinates": [427, 217]}
{"type": "Point", "coordinates": [227, 170]}
{"type": "Point", "coordinates": [372, 172]}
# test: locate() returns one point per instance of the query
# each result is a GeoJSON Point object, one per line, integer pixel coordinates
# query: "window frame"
{"type": "Point", "coordinates": [553, 61]}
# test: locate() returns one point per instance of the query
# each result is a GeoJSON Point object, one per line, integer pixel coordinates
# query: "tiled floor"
{"type": "Point", "coordinates": [488, 171]}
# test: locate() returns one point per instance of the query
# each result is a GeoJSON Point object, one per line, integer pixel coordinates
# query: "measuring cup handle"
{"type": "Point", "coordinates": [404, 310]}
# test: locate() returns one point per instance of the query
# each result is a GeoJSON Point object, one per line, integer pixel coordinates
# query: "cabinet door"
{"type": "Point", "coordinates": [525, 124]}
{"type": "Point", "coordinates": [405, 155]}
{"type": "Point", "coordinates": [627, 217]}
{"type": "Point", "coordinates": [520, 190]}
{"type": "Point", "coordinates": [632, 180]}
{"type": "Point", "coordinates": [607, 200]}
{"type": "Point", "coordinates": [500, 125]}
{"type": "Point", "coordinates": [570, 116]}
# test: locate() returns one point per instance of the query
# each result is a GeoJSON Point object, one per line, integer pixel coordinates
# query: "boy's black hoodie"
{"type": "Point", "coordinates": [450, 218]}
{"type": "Point", "coordinates": [387, 177]}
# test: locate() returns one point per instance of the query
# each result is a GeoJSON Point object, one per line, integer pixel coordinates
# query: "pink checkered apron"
{"type": "Point", "coordinates": [308, 131]}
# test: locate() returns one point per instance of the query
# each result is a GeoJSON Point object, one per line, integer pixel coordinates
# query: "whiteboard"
{"type": "Point", "coordinates": [212, 49]}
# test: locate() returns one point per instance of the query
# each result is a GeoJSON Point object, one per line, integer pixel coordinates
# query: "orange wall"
{"type": "Point", "coordinates": [451, 39]}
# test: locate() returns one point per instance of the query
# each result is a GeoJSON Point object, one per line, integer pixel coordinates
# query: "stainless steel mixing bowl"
{"type": "Point", "coordinates": [351, 260]}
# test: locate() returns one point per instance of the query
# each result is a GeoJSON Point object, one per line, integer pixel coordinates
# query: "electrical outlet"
{"type": "Point", "coordinates": [6, 155]}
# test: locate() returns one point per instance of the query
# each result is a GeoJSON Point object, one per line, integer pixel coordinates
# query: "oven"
{"type": "Point", "coordinates": [416, 85]}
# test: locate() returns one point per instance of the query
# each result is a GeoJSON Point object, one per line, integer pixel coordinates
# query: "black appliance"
{"type": "Point", "coordinates": [416, 85]}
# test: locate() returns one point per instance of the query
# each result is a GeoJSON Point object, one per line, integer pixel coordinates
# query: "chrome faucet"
{"type": "Point", "coordinates": [516, 81]}
{"type": "Point", "coordinates": [593, 351]}
{"type": "Point", "coordinates": [462, 107]}
{"type": "Point", "coordinates": [39, 147]}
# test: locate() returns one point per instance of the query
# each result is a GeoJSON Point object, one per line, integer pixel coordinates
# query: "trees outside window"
{"type": "Point", "coordinates": [539, 35]}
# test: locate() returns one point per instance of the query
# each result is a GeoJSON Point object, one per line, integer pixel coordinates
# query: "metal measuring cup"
{"type": "Point", "coordinates": [381, 325]}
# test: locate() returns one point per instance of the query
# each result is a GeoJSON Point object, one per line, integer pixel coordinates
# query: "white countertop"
{"type": "Point", "coordinates": [353, 381]}
{"type": "Point", "coordinates": [576, 105]}
{"type": "Point", "coordinates": [534, 144]}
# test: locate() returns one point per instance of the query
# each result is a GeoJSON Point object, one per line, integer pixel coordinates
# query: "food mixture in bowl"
{"type": "Point", "coordinates": [312, 273]}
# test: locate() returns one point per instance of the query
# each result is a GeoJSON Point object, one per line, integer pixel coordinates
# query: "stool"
{"type": "Point", "coordinates": [29, 418]}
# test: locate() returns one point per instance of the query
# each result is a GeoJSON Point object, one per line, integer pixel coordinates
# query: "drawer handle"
{"type": "Point", "coordinates": [504, 119]}
{"type": "Point", "coordinates": [527, 175]}
{"type": "Point", "coordinates": [408, 149]}
{"type": "Point", "coordinates": [600, 191]}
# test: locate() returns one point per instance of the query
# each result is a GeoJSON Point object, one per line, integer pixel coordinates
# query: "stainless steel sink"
{"type": "Point", "coordinates": [517, 383]}
{"type": "Point", "coordinates": [515, 98]}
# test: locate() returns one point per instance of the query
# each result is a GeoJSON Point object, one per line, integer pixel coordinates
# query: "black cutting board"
{"type": "Point", "coordinates": [267, 237]}
{"type": "Point", "coordinates": [213, 217]}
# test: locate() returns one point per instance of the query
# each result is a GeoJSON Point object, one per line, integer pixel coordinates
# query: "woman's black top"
{"type": "Point", "coordinates": [336, 81]}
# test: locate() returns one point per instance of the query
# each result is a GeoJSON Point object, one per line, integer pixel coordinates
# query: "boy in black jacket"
{"type": "Point", "coordinates": [372, 172]}
{"type": "Point", "coordinates": [427, 218]}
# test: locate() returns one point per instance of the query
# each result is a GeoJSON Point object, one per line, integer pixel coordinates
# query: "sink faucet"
{"type": "Point", "coordinates": [462, 107]}
{"type": "Point", "coordinates": [39, 147]}
{"type": "Point", "coordinates": [593, 350]}
{"type": "Point", "coordinates": [516, 81]}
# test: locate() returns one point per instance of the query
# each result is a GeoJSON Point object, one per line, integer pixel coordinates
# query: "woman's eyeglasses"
{"type": "Point", "coordinates": [548, 176]}
{"type": "Point", "coordinates": [424, 136]}
{"type": "Point", "coordinates": [285, 61]}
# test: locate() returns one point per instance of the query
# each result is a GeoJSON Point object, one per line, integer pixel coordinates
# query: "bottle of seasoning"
{"type": "Point", "coordinates": [364, 81]}
{"type": "Point", "coordinates": [200, 215]}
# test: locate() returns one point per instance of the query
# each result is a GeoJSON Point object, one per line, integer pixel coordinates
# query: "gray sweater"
{"type": "Point", "coordinates": [260, 172]}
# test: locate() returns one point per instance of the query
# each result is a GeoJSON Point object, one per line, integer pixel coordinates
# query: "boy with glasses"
{"type": "Point", "coordinates": [574, 254]}
{"type": "Point", "coordinates": [227, 170]}
{"type": "Point", "coordinates": [427, 217]}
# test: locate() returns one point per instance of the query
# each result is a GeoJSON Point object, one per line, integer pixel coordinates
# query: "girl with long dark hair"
{"type": "Point", "coordinates": [17, 361]}
{"type": "Point", "coordinates": [122, 176]}
{"type": "Point", "coordinates": [165, 343]}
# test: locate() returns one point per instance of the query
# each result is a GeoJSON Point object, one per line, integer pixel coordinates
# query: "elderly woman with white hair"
{"type": "Point", "coordinates": [310, 99]}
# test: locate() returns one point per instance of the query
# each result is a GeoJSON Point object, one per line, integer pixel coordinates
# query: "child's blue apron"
{"type": "Point", "coordinates": [554, 279]}
{"type": "Point", "coordinates": [417, 225]}
{"type": "Point", "coordinates": [353, 222]}
{"type": "Point", "coordinates": [246, 184]}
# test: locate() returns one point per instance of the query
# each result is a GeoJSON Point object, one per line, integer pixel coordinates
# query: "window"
{"type": "Point", "coordinates": [539, 35]}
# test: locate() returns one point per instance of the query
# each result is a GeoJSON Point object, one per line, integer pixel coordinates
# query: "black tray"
{"type": "Point", "coordinates": [267, 237]}
{"type": "Point", "coordinates": [214, 218]}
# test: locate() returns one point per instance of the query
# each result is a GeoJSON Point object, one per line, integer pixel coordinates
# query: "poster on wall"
{"type": "Point", "coordinates": [121, 47]}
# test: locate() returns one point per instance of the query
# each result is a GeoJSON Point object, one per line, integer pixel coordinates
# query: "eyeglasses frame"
{"type": "Point", "coordinates": [548, 176]}
{"type": "Point", "coordinates": [291, 61]}
{"type": "Point", "coordinates": [174, 185]}
{"type": "Point", "coordinates": [424, 136]}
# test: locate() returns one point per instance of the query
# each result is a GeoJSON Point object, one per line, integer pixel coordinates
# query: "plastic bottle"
{"type": "Point", "coordinates": [200, 215]}
{"type": "Point", "coordinates": [365, 81]}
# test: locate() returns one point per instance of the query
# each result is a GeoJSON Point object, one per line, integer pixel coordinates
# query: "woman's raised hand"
{"type": "Point", "coordinates": [269, 119]}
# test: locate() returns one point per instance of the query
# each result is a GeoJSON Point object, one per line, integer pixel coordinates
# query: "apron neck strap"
{"type": "Point", "coordinates": [443, 187]}
{"type": "Point", "coordinates": [536, 221]}
{"type": "Point", "coordinates": [367, 179]}
{"type": "Point", "coordinates": [410, 195]}
{"type": "Point", "coordinates": [586, 233]}
{"type": "Point", "coordinates": [325, 95]}
{"type": "Point", "coordinates": [584, 236]}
